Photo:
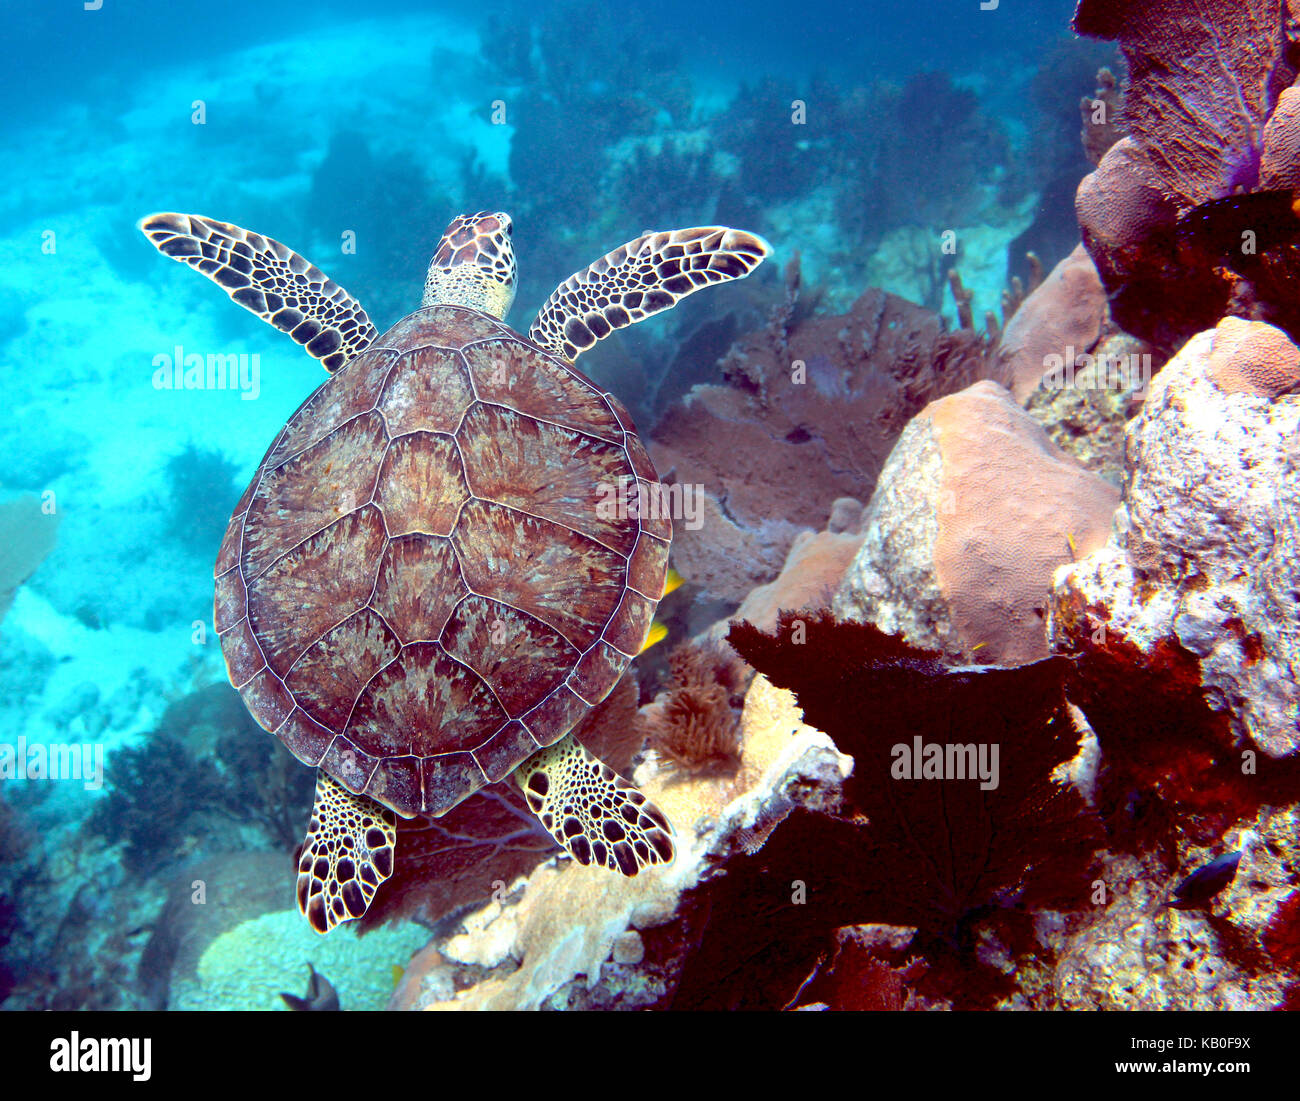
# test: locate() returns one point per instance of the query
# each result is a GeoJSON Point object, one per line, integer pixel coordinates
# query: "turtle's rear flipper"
{"type": "Point", "coordinates": [643, 277]}
{"type": "Point", "coordinates": [592, 811]}
{"type": "Point", "coordinates": [270, 280]}
{"type": "Point", "coordinates": [347, 855]}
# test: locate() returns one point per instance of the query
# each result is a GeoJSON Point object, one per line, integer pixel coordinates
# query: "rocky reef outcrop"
{"type": "Point", "coordinates": [973, 512]}
{"type": "Point", "coordinates": [808, 414]}
{"type": "Point", "coordinates": [577, 938]}
{"type": "Point", "coordinates": [1205, 563]}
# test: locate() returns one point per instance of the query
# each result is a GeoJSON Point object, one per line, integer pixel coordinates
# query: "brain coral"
{"type": "Point", "coordinates": [1067, 310]}
{"type": "Point", "coordinates": [973, 512]}
{"type": "Point", "coordinates": [249, 966]}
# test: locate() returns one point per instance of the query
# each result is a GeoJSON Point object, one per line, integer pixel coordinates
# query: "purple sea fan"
{"type": "Point", "coordinates": [1213, 122]}
{"type": "Point", "coordinates": [1204, 77]}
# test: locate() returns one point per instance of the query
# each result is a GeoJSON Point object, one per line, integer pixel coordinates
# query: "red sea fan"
{"type": "Point", "coordinates": [1171, 765]}
{"type": "Point", "coordinates": [936, 847]}
{"type": "Point", "coordinates": [851, 976]}
{"type": "Point", "coordinates": [1282, 942]}
{"type": "Point", "coordinates": [775, 444]}
{"type": "Point", "coordinates": [929, 853]}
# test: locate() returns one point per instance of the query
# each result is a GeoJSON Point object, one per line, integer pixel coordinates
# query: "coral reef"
{"type": "Point", "coordinates": [248, 966]}
{"type": "Point", "coordinates": [925, 152]}
{"type": "Point", "coordinates": [851, 976]}
{"type": "Point", "coordinates": [1103, 117]}
{"type": "Point", "coordinates": [1200, 574]}
{"type": "Point", "coordinates": [1072, 369]}
{"type": "Point", "coordinates": [236, 887]}
{"type": "Point", "coordinates": [80, 924]}
{"type": "Point", "coordinates": [267, 785]}
{"type": "Point", "coordinates": [16, 878]}
{"type": "Point", "coordinates": [369, 194]}
{"type": "Point", "coordinates": [578, 939]}
{"type": "Point", "coordinates": [566, 100]}
{"type": "Point", "coordinates": [219, 767]}
{"type": "Point", "coordinates": [137, 802]}
{"type": "Point", "coordinates": [962, 538]}
{"type": "Point", "coordinates": [425, 980]}
{"type": "Point", "coordinates": [1282, 940]}
{"type": "Point", "coordinates": [1067, 311]}
{"type": "Point", "coordinates": [1279, 166]}
{"type": "Point", "coordinates": [1163, 215]}
{"type": "Point", "coordinates": [1135, 948]}
{"type": "Point", "coordinates": [1134, 954]}
{"type": "Point", "coordinates": [1202, 81]}
{"type": "Point", "coordinates": [695, 723]}
{"type": "Point", "coordinates": [872, 692]}
{"type": "Point", "coordinates": [776, 158]}
{"type": "Point", "coordinates": [814, 405]}
{"type": "Point", "coordinates": [812, 572]}
{"type": "Point", "coordinates": [1053, 167]}
{"type": "Point", "coordinates": [667, 182]}
{"type": "Point", "coordinates": [1087, 419]}
{"type": "Point", "coordinates": [1011, 803]}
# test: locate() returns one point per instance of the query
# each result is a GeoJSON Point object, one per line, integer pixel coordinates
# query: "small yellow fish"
{"type": "Point", "coordinates": [658, 632]}
{"type": "Point", "coordinates": [398, 972]}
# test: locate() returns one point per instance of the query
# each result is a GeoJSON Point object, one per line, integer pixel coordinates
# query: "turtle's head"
{"type": "Point", "coordinates": [474, 265]}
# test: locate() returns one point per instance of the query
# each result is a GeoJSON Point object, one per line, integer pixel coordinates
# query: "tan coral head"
{"type": "Point", "coordinates": [474, 265]}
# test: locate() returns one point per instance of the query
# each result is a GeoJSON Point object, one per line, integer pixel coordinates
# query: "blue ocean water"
{"type": "Point", "coordinates": [853, 136]}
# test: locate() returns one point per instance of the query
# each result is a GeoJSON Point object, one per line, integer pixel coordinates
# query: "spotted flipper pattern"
{"type": "Point", "coordinates": [270, 280]}
{"type": "Point", "coordinates": [592, 811]}
{"type": "Point", "coordinates": [638, 279]}
{"type": "Point", "coordinates": [347, 855]}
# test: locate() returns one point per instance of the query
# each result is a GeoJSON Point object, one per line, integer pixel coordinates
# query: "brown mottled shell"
{"type": "Point", "coordinates": [440, 564]}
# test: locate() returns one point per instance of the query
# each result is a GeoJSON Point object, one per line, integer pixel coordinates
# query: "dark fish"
{"type": "Point", "coordinates": [321, 995]}
{"type": "Point", "coordinates": [1206, 882]}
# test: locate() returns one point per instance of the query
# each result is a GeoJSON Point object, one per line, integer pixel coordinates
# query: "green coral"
{"type": "Point", "coordinates": [249, 966]}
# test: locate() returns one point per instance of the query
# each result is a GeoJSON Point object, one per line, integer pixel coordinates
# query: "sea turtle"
{"type": "Point", "coordinates": [446, 556]}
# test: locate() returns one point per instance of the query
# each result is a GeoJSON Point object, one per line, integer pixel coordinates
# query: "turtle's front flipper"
{"type": "Point", "coordinates": [643, 277]}
{"type": "Point", "coordinates": [270, 280]}
{"type": "Point", "coordinates": [592, 811]}
{"type": "Point", "coordinates": [347, 855]}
